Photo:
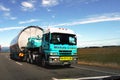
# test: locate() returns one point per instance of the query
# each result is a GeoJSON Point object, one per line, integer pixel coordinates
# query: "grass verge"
{"type": "Point", "coordinates": [108, 57]}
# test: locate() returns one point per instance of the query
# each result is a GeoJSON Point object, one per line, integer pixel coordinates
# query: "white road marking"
{"type": "Point", "coordinates": [19, 63]}
{"type": "Point", "coordinates": [84, 78]}
{"type": "Point", "coordinates": [113, 73]}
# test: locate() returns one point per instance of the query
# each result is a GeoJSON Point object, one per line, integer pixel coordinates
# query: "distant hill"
{"type": "Point", "coordinates": [5, 49]}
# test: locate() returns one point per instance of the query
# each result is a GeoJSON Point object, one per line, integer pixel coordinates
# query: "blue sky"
{"type": "Point", "coordinates": [96, 22]}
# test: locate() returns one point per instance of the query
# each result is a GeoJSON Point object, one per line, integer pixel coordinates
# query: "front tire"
{"type": "Point", "coordinates": [43, 62]}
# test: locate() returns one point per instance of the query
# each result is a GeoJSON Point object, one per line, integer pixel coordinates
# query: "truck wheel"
{"type": "Point", "coordinates": [43, 62]}
{"type": "Point", "coordinates": [31, 60]}
{"type": "Point", "coordinates": [25, 58]}
{"type": "Point", "coordinates": [28, 61]}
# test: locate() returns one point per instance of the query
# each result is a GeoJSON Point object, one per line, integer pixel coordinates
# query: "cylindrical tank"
{"type": "Point", "coordinates": [19, 42]}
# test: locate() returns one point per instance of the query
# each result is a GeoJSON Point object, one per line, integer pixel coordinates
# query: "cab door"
{"type": "Point", "coordinates": [46, 41]}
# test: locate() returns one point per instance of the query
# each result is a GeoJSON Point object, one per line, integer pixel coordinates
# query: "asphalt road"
{"type": "Point", "coordinates": [13, 70]}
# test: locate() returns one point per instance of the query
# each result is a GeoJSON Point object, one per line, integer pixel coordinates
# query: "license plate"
{"type": "Point", "coordinates": [65, 58]}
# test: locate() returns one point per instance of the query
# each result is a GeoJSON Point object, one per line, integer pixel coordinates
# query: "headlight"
{"type": "Point", "coordinates": [53, 53]}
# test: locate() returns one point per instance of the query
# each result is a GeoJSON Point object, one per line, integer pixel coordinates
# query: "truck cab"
{"type": "Point", "coordinates": [59, 46]}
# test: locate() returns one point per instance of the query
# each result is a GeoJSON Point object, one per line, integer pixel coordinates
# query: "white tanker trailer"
{"type": "Point", "coordinates": [19, 43]}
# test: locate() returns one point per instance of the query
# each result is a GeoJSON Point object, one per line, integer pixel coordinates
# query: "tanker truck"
{"type": "Point", "coordinates": [52, 46]}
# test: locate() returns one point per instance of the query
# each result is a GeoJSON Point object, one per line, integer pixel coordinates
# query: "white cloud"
{"type": "Point", "coordinates": [10, 28]}
{"type": "Point", "coordinates": [13, 18]}
{"type": "Point", "coordinates": [53, 16]}
{"type": "Point", "coordinates": [78, 35]}
{"type": "Point", "coordinates": [71, 3]}
{"type": "Point", "coordinates": [49, 10]}
{"type": "Point", "coordinates": [28, 21]}
{"type": "Point", "coordinates": [49, 3]}
{"type": "Point", "coordinates": [3, 8]}
{"type": "Point", "coordinates": [27, 6]}
{"type": "Point", "coordinates": [5, 44]}
{"type": "Point", "coordinates": [8, 15]}
{"type": "Point", "coordinates": [101, 18]}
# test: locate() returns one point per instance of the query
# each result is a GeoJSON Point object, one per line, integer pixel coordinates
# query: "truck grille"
{"type": "Point", "coordinates": [65, 52]}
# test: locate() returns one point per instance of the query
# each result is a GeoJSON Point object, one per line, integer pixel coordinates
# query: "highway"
{"type": "Point", "coordinates": [13, 70]}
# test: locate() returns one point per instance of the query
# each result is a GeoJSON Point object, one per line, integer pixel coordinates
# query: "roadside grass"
{"type": "Point", "coordinates": [100, 56]}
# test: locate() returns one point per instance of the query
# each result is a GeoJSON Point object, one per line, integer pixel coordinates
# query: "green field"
{"type": "Point", "coordinates": [106, 55]}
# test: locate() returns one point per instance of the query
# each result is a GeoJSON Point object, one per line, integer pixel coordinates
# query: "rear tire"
{"type": "Point", "coordinates": [31, 60]}
{"type": "Point", "coordinates": [28, 60]}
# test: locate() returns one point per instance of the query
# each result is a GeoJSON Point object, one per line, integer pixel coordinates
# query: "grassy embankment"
{"type": "Point", "coordinates": [107, 56]}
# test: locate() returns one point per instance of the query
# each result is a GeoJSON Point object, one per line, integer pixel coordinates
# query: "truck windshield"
{"type": "Point", "coordinates": [58, 38]}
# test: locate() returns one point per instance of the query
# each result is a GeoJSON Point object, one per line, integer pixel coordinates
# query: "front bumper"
{"type": "Point", "coordinates": [56, 60]}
